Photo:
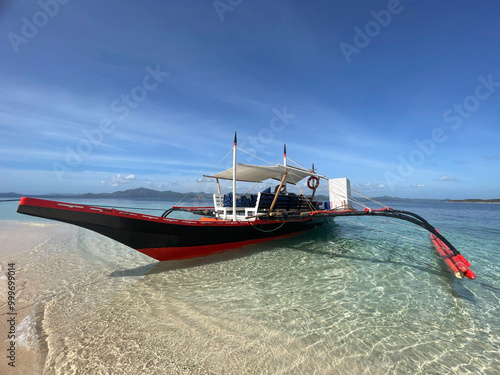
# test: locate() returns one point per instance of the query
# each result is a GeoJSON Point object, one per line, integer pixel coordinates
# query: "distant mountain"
{"type": "Point", "coordinates": [140, 193]}
{"type": "Point", "coordinates": [10, 195]}
{"type": "Point", "coordinates": [169, 194]}
{"type": "Point", "coordinates": [387, 198]}
{"type": "Point", "coordinates": [473, 201]}
{"type": "Point", "coordinates": [321, 198]}
{"type": "Point", "coordinates": [131, 193]}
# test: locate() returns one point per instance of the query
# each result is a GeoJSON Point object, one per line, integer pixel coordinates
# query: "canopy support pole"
{"type": "Point", "coordinates": [284, 163]}
{"type": "Point", "coordinates": [234, 177]}
{"type": "Point", "coordinates": [278, 192]}
{"type": "Point", "coordinates": [218, 186]}
{"type": "Point", "coordinates": [314, 192]}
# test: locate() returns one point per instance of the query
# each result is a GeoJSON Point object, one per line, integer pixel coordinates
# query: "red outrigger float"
{"type": "Point", "coordinates": [232, 223]}
{"type": "Point", "coordinates": [457, 264]}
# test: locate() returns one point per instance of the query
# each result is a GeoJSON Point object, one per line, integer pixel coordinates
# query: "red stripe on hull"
{"type": "Point", "coordinates": [188, 252]}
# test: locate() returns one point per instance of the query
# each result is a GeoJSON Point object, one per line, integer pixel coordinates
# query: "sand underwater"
{"type": "Point", "coordinates": [342, 299]}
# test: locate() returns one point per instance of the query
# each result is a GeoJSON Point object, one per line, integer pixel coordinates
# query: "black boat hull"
{"type": "Point", "coordinates": [165, 238]}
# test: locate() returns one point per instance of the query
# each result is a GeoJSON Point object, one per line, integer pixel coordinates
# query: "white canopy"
{"type": "Point", "coordinates": [258, 173]}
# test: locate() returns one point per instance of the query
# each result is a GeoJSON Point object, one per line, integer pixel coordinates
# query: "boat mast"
{"type": "Point", "coordinates": [234, 177]}
{"type": "Point", "coordinates": [284, 162]}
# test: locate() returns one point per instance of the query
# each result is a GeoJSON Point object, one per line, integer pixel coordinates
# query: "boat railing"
{"type": "Point", "coordinates": [246, 205]}
{"type": "Point", "coordinates": [254, 204]}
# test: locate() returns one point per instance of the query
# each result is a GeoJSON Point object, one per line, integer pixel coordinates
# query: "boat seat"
{"type": "Point", "coordinates": [253, 209]}
{"type": "Point", "coordinates": [286, 202]}
{"type": "Point", "coordinates": [247, 205]}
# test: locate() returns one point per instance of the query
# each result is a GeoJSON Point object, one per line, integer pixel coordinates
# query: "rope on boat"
{"type": "Point", "coordinates": [255, 156]}
{"type": "Point", "coordinates": [309, 203]}
{"type": "Point", "coordinates": [249, 190]}
{"type": "Point", "coordinates": [355, 201]}
{"type": "Point", "coordinates": [294, 162]}
{"type": "Point", "coordinates": [368, 198]}
{"type": "Point", "coordinates": [268, 231]}
{"type": "Point", "coordinates": [354, 191]}
{"type": "Point", "coordinates": [199, 182]}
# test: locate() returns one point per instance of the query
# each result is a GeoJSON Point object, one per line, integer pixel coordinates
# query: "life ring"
{"type": "Point", "coordinates": [283, 189]}
{"type": "Point", "coordinates": [312, 185]}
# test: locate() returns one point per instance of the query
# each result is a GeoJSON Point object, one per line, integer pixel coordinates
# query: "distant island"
{"type": "Point", "coordinates": [144, 193]}
{"type": "Point", "coordinates": [473, 201]}
{"type": "Point", "coordinates": [131, 193]}
{"type": "Point", "coordinates": [139, 193]}
{"type": "Point", "coordinates": [387, 198]}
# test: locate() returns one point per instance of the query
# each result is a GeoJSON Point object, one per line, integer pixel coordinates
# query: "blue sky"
{"type": "Point", "coordinates": [402, 97]}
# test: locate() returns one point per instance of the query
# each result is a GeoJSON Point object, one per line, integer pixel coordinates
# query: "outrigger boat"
{"type": "Point", "coordinates": [234, 220]}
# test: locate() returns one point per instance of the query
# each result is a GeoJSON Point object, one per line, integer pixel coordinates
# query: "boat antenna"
{"type": "Point", "coordinates": [234, 175]}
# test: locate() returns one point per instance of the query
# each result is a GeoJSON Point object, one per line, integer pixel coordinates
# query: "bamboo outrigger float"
{"type": "Point", "coordinates": [233, 220]}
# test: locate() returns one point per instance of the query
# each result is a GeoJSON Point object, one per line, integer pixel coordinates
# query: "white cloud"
{"type": "Point", "coordinates": [368, 186]}
{"type": "Point", "coordinates": [490, 157]}
{"type": "Point", "coordinates": [119, 179]}
{"type": "Point", "coordinates": [447, 178]}
{"type": "Point", "coordinates": [417, 185]}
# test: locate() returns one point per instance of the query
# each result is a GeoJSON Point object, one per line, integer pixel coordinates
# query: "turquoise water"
{"type": "Point", "coordinates": [347, 298]}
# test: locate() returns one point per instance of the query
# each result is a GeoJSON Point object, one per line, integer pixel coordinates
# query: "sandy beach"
{"type": "Point", "coordinates": [75, 317]}
{"type": "Point", "coordinates": [339, 300]}
{"type": "Point", "coordinates": [18, 240]}
{"type": "Point", "coordinates": [77, 341]}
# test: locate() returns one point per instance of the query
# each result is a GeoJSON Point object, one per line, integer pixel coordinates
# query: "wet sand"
{"type": "Point", "coordinates": [74, 316]}
{"type": "Point", "coordinates": [17, 241]}
{"type": "Point", "coordinates": [52, 335]}
{"type": "Point", "coordinates": [88, 305]}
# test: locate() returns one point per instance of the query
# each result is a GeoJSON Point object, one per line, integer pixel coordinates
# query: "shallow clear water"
{"type": "Point", "coordinates": [341, 299]}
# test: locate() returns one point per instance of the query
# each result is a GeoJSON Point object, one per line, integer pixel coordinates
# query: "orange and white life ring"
{"type": "Point", "coordinates": [313, 185]}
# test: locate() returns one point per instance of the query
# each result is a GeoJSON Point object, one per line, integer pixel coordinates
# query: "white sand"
{"type": "Point", "coordinates": [76, 316]}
